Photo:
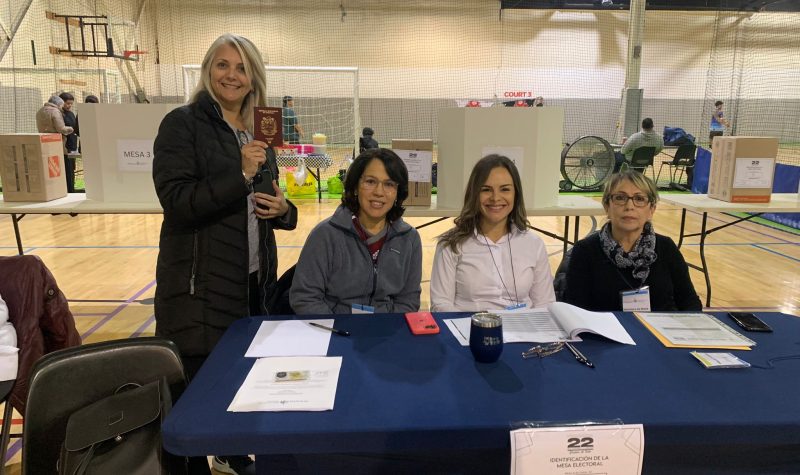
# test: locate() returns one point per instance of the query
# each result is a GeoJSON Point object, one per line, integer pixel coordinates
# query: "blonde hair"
{"type": "Point", "coordinates": [253, 68]}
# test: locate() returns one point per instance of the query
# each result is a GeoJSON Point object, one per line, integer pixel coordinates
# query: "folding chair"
{"type": "Point", "coordinates": [67, 380]}
{"type": "Point", "coordinates": [642, 158]}
{"type": "Point", "coordinates": [683, 160]}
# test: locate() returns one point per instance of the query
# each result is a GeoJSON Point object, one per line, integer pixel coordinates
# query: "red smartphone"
{"type": "Point", "coordinates": [422, 323]}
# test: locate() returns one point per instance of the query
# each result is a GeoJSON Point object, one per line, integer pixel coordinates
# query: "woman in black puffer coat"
{"type": "Point", "coordinates": [217, 257]}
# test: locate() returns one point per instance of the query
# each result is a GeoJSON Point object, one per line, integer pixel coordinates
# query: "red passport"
{"type": "Point", "coordinates": [268, 125]}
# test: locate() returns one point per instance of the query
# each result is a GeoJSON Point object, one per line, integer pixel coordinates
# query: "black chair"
{"type": "Point", "coordinates": [67, 380]}
{"type": "Point", "coordinates": [279, 304]}
{"type": "Point", "coordinates": [683, 160]}
{"type": "Point", "coordinates": [642, 158]}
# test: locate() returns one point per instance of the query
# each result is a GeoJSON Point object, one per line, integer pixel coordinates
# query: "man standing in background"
{"type": "Point", "coordinates": [718, 123]}
{"type": "Point", "coordinates": [71, 140]}
{"type": "Point", "coordinates": [292, 131]}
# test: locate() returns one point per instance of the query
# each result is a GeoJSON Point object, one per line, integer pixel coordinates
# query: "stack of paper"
{"type": "Point", "coordinates": [292, 372]}
{"type": "Point", "coordinates": [558, 322]}
{"type": "Point", "coordinates": [693, 330]}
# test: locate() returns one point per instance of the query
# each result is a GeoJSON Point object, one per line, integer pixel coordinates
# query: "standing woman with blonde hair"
{"type": "Point", "coordinates": [490, 260]}
{"type": "Point", "coordinates": [218, 259]}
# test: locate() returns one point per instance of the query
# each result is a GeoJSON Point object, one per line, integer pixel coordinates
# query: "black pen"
{"type": "Point", "coordinates": [578, 355]}
{"type": "Point", "coordinates": [330, 329]}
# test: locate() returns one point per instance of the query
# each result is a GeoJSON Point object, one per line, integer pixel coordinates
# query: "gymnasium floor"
{"type": "Point", "coordinates": [105, 264]}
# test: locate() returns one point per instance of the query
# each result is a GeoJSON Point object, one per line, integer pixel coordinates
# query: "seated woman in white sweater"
{"type": "Point", "coordinates": [490, 260]}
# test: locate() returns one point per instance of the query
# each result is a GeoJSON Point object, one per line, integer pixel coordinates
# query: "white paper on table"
{"type": "Point", "coordinates": [584, 450]}
{"type": "Point", "coordinates": [529, 326]}
{"type": "Point", "coordinates": [262, 389]}
{"type": "Point", "coordinates": [533, 325]}
{"type": "Point", "coordinates": [695, 329]}
{"type": "Point", "coordinates": [290, 338]}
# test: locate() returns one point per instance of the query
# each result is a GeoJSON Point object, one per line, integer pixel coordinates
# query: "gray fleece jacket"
{"type": "Point", "coordinates": [335, 269]}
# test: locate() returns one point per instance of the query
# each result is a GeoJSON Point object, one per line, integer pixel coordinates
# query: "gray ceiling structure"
{"type": "Point", "coordinates": [677, 5]}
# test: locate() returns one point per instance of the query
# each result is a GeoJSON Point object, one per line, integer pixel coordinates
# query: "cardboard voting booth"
{"type": "Point", "coordinates": [32, 167]}
{"type": "Point", "coordinates": [530, 136]}
{"type": "Point", "coordinates": [117, 149]}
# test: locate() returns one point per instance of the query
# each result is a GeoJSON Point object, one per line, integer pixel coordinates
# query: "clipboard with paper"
{"type": "Point", "coordinates": [693, 330]}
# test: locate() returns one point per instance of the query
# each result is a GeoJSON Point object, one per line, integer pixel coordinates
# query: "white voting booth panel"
{"type": "Point", "coordinates": [532, 137]}
{"type": "Point", "coordinates": [117, 149]}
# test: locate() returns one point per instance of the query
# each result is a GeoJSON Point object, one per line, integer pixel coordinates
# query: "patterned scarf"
{"type": "Point", "coordinates": [639, 258]}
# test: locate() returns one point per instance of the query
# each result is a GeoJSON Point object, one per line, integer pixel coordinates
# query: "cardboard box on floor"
{"type": "Point", "coordinates": [743, 169]}
{"type": "Point", "coordinates": [418, 157]}
{"type": "Point", "coordinates": [32, 167]}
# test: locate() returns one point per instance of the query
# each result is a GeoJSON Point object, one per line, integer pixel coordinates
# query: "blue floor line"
{"type": "Point", "coordinates": [776, 253]}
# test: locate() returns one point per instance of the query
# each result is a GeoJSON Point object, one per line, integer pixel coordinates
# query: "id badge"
{"type": "Point", "coordinates": [519, 306]}
{"type": "Point", "coordinates": [358, 308]}
{"type": "Point", "coordinates": [636, 300]}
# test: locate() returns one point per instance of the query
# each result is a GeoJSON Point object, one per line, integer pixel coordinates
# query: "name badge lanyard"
{"type": "Point", "coordinates": [628, 284]}
{"type": "Point", "coordinates": [499, 274]}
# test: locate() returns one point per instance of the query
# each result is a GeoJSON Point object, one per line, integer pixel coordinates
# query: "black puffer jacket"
{"type": "Point", "coordinates": [202, 270]}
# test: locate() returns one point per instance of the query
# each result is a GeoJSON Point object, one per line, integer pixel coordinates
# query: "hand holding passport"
{"type": "Point", "coordinates": [268, 125]}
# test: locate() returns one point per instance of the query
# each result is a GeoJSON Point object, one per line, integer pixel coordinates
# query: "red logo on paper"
{"type": "Point", "coordinates": [54, 166]}
{"type": "Point", "coordinates": [473, 104]}
{"type": "Point", "coordinates": [520, 104]}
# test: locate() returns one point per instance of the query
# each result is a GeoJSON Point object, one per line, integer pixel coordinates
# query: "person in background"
{"type": "Point", "coordinates": [71, 140]}
{"type": "Point", "coordinates": [627, 255]}
{"type": "Point", "coordinates": [90, 99]}
{"type": "Point", "coordinates": [217, 259]}
{"type": "Point", "coordinates": [292, 130]}
{"type": "Point", "coordinates": [365, 254]}
{"type": "Point", "coordinates": [718, 123]}
{"type": "Point", "coordinates": [539, 102]}
{"type": "Point", "coordinates": [367, 141]}
{"type": "Point", "coordinates": [490, 260]}
{"type": "Point", "coordinates": [647, 137]}
{"type": "Point", "coordinates": [50, 120]}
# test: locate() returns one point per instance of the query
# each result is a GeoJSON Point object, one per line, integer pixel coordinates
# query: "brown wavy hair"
{"type": "Point", "coordinates": [468, 220]}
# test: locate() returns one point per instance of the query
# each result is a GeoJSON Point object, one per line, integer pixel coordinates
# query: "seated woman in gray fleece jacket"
{"type": "Point", "coordinates": [365, 254]}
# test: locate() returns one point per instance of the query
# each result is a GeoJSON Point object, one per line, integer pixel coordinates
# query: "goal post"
{"type": "Point", "coordinates": [326, 100]}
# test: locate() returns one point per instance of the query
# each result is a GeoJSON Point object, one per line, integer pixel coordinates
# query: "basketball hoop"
{"type": "Point", "coordinates": [128, 53]}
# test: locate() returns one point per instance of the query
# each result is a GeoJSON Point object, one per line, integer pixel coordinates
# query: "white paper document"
{"type": "Point", "coordinates": [754, 173]}
{"type": "Point", "coordinates": [583, 450]}
{"type": "Point", "coordinates": [289, 384]}
{"type": "Point", "coordinates": [290, 338]}
{"type": "Point", "coordinates": [694, 329]}
{"type": "Point", "coordinates": [558, 322]}
{"type": "Point", "coordinates": [418, 163]}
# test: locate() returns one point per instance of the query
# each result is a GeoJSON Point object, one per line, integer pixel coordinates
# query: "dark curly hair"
{"type": "Point", "coordinates": [396, 170]}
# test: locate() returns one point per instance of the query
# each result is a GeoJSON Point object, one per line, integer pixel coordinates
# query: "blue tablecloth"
{"type": "Point", "coordinates": [399, 393]}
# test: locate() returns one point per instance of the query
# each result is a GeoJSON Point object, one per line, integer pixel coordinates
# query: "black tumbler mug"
{"type": "Point", "coordinates": [486, 337]}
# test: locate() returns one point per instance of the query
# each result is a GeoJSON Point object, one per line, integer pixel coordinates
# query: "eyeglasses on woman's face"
{"type": "Point", "coordinates": [621, 199]}
{"type": "Point", "coordinates": [370, 183]}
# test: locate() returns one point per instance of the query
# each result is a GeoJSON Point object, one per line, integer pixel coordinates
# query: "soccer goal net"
{"type": "Point", "coordinates": [325, 102]}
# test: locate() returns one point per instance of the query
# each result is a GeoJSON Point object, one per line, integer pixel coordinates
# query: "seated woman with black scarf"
{"type": "Point", "coordinates": [626, 265]}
